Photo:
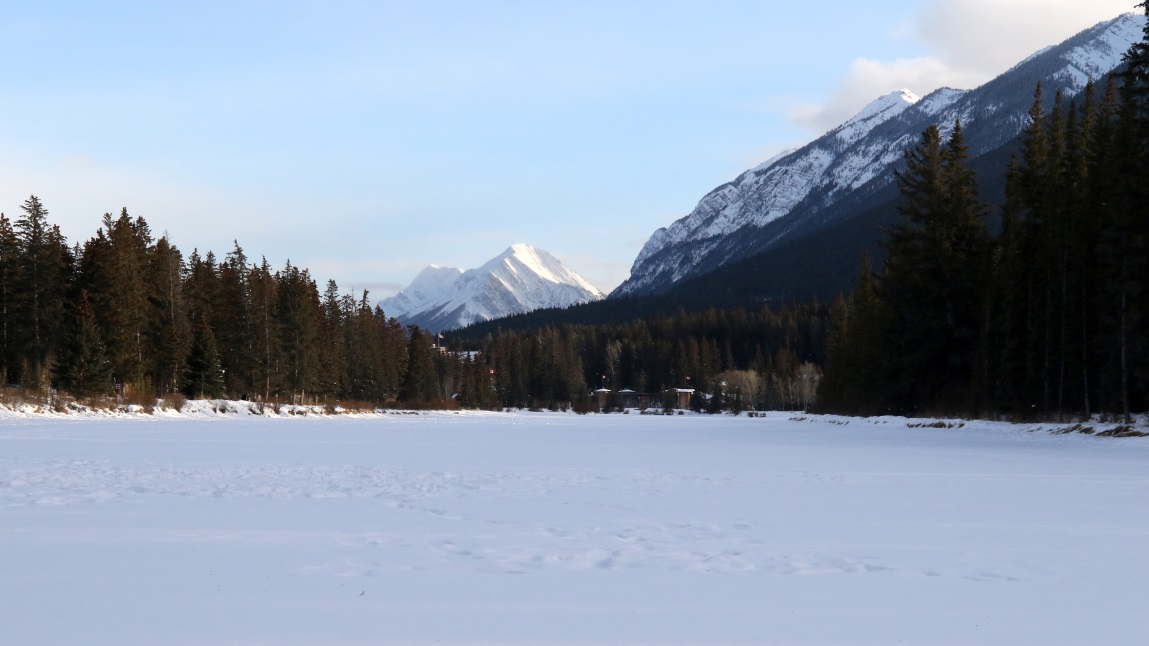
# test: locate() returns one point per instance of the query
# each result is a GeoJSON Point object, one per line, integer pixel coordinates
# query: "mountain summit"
{"type": "Point", "coordinates": [521, 279]}
{"type": "Point", "coordinates": [838, 176]}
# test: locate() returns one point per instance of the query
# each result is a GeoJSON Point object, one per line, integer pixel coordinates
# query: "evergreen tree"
{"type": "Point", "coordinates": [420, 384]}
{"type": "Point", "coordinates": [393, 355]}
{"type": "Point", "coordinates": [41, 291]}
{"type": "Point", "coordinates": [300, 317]}
{"type": "Point", "coordinates": [365, 369]}
{"type": "Point", "coordinates": [232, 321]}
{"type": "Point", "coordinates": [934, 278]}
{"type": "Point", "coordinates": [203, 378]}
{"type": "Point", "coordinates": [84, 368]}
{"type": "Point", "coordinates": [168, 330]}
{"type": "Point", "coordinates": [858, 356]}
{"type": "Point", "coordinates": [267, 355]}
{"type": "Point", "coordinates": [9, 316]}
{"type": "Point", "coordinates": [113, 270]}
{"type": "Point", "coordinates": [1127, 234]}
{"type": "Point", "coordinates": [333, 356]}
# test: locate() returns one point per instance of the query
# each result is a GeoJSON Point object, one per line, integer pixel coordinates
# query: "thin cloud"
{"type": "Point", "coordinates": [968, 43]}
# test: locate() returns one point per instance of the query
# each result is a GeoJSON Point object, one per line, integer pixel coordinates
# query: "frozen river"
{"type": "Point", "coordinates": [548, 528]}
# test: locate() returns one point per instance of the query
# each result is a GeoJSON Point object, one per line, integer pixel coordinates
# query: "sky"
{"type": "Point", "coordinates": [367, 140]}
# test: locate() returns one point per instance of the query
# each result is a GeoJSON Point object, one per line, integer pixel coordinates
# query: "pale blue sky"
{"type": "Point", "coordinates": [366, 140]}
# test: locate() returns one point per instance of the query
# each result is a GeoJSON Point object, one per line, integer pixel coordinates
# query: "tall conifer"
{"type": "Point", "coordinates": [84, 368]}
{"type": "Point", "coordinates": [934, 278]}
{"type": "Point", "coordinates": [9, 315]}
{"type": "Point", "coordinates": [41, 291]}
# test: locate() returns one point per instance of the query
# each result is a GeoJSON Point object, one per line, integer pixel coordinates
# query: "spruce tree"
{"type": "Point", "coordinates": [83, 367]}
{"type": "Point", "coordinates": [9, 316]}
{"type": "Point", "coordinates": [203, 377]}
{"type": "Point", "coordinates": [300, 316]}
{"type": "Point", "coordinates": [113, 269]}
{"type": "Point", "coordinates": [333, 355]}
{"type": "Point", "coordinates": [857, 373]}
{"type": "Point", "coordinates": [41, 291]}
{"type": "Point", "coordinates": [232, 321]}
{"type": "Point", "coordinates": [420, 383]}
{"type": "Point", "coordinates": [267, 364]}
{"type": "Point", "coordinates": [1133, 225]}
{"type": "Point", "coordinates": [168, 329]}
{"type": "Point", "coordinates": [935, 273]}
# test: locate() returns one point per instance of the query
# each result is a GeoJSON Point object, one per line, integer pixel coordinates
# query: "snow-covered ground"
{"type": "Point", "coordinates": [549, 528]}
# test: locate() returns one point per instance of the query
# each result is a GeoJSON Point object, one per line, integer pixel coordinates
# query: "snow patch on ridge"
{"type": "Point", "coordinates": [875, 113]}
{"type": "Point", "coordinates": [1105, 52]}
{"type": "Point", "coordinates": [940, 99]}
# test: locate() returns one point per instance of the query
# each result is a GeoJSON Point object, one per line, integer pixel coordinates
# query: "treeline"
{"type": "Point", "coordinates": [129, 312]}
{"type": "Point", "coordinates": [763, 358]}
{"type": "Point", "coordinates": [125, 312]}
{"type": "Point", "coordinates": [1051, 318]}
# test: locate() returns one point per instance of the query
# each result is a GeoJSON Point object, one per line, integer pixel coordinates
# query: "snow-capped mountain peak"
{"type": "Point", "coordinates": [538, 262]}
{"type": "Point", "coordinates": [875, 113]}
{"type": "Point", "coordinates": [428, 286]}
{"type": "Point", "coordinates": [521, 279]}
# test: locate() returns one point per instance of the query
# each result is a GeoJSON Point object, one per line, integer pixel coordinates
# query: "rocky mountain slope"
{"type": "Point", "coordinates": [827, 181]}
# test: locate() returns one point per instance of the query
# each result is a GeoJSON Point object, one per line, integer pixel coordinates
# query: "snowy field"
{"type": "Point", "coordinates": [550, 529]}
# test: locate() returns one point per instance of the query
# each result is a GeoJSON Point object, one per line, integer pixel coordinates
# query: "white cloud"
{"type": "Point", "coordinates": [868, 79]}
{"type": "Point", "coordinates": [968, 43]}
{"type": "Point", "coordinates": [991, 35]}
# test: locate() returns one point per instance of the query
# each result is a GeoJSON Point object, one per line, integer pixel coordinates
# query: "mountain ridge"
{"type": "Point", "coordinates": [802, 191]}
{"type": "Point", "coordinates": [519, 280]}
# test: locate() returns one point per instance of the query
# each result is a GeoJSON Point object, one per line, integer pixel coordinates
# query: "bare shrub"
{"type": "Point", "coordinates": [172, 401]}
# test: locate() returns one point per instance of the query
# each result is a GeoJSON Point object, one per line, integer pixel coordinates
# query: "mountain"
{"type": "Point", "coordinates": [849, 171]}
{"type": "Point", "coordinates": [521, 279]}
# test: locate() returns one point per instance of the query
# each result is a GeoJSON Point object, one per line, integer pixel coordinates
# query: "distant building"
{"type": "Point", "coordinates": [627, 398]}
{"type": "Point", "coordinates": [601, 394]}
{"type": "Point", "coordinates": [684, 396]}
